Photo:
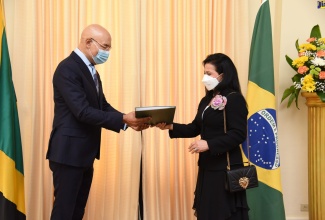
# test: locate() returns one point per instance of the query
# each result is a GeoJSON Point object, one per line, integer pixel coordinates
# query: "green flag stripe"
{"type": "Point", "coordinates": [10, 141]}
{"type": "Point", "coordinates": [261, 53]}
{"type": "Point", "coordinates": [266, 202]}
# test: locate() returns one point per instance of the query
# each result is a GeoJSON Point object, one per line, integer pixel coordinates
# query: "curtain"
{"type": "Point", "coordinates": [156, 59]}
{"type": "Point", "coordinates": [175, 38]}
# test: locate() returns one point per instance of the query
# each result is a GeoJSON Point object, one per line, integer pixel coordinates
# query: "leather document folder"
{"type": "Point", "coordinates": [157, 113]}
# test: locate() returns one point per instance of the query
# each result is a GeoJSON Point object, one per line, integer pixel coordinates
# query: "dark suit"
{"type": "Point", "coordinates": [212, 201]}
{"type": "Point", "coordinates": [79, 115]}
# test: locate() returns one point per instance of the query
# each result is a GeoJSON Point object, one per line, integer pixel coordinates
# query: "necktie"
{"type": "Point", "coordinates": [95, 77]}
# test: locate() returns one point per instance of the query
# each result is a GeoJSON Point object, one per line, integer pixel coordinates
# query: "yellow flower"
{"type": "Point", "coordinates": [300, 61]}
{"type": "Point", "coordinates": [321, 40]}
{"type": "Point", "coordinates": [309, 87]}
{"type": "Point", "coordinates": [304, 47]}
{"type": "Point", "coordinates": [309, 78]}
{"type": "Point", "coordinates": [308, 84]}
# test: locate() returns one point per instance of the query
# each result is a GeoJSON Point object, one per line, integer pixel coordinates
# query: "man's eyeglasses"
{"type": "Point", "coordinates": [104, 47]}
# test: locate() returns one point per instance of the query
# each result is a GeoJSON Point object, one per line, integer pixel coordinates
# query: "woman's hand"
{"type": "Point", "coordinates": [164, 126]}
{"type": "Point", "coordinates": [198, 146]}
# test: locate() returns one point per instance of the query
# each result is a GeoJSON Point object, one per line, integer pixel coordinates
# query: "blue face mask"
{"type": "Point", "coordinates": [101, 56]}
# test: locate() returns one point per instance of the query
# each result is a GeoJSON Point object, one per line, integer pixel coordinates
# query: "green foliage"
{"type": "Point", "coordinates": [292, 93]}
{"type": "Point", "coordinates": [321, 95]}
{"type": "Point", "coordinates": [315, 32]}
{"type": "Point", "coordinates": [297, 45]}
{"type": "Point", "coordinates": [289, 61]}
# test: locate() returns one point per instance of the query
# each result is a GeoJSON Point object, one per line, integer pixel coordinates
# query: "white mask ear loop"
{"type": "Point", "coordinates": [89, 51]}
{"type": "Point", "coordinates": [218, 77]}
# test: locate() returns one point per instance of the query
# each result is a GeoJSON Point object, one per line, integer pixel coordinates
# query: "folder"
{"type": "Point", "coordinates": [158, 114]}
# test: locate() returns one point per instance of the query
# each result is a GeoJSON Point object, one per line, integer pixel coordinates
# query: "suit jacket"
{"type": "Point", "coordinates": [79, 115]}
{"type": "Point", "coordinates": [211, 129]}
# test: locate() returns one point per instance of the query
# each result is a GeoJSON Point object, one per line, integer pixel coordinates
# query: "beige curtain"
{"type": "Point", "coordinates": [158, 48]}
{"type": "Point", "coordinates": [175, 37]}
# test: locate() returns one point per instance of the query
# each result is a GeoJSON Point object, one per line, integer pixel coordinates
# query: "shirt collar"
{"type": "Point", "coordinates": [82, 56]}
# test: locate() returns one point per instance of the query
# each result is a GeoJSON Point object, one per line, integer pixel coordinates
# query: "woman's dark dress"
{"type": "Point", "coordinates": [212, 201]}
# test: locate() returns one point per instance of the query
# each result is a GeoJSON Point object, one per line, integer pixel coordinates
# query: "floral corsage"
{"type": "Point", "coordinates": [218, 102]}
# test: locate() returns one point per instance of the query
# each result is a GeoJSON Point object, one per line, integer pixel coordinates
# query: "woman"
{"type": "Point", "coordinates": [212, 201]}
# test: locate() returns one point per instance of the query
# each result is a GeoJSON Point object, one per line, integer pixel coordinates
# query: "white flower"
{"type": "Point", "coordinates": [318, 61]}
{"type": "Point", "coordinates": [297, 85]}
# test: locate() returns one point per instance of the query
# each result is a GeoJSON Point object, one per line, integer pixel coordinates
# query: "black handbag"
{"type": "Point", "coordinates": [242, 178]}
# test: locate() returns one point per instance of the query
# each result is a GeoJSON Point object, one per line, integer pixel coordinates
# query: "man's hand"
{"type": "Point", "coordinates": [137, 124]}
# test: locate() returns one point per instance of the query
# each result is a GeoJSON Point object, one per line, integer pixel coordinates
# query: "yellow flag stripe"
{"type": "Point", "coordinates": [12, 182]}
{"type": "Point", "coordinates": [268, 177]}
{"type": "Point", "coordinates": [258, 98]}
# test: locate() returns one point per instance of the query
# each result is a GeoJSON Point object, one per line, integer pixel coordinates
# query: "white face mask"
{"type": "Point", "coordinates": [209, 82]}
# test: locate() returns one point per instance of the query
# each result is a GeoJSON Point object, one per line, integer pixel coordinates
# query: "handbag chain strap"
{"type": "Point", "coordinates": [247, 140]}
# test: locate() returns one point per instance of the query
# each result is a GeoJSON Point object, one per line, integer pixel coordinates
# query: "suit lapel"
{"type": "Point", "coordinates": [87, 74]}
{"type": "Point", "coordinates": [85, 70]}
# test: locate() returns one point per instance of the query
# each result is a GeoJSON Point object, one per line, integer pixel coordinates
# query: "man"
{"type": "Point", "coordinates": [80, 111]}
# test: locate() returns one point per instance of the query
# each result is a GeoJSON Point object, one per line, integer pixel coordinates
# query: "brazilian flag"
{"type": "Point", "coordinates": [12, 197]}
{"type": "Point", "coordinates": [265, 201]}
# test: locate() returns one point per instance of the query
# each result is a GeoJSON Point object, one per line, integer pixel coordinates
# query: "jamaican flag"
{"type": "Point", "coordinates": [12, 198]}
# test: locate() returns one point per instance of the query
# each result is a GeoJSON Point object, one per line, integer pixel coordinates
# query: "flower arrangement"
{"type": "Point", "coordinates": [218, 102]}
{"type": "Point", "coordinates": [309, 68]}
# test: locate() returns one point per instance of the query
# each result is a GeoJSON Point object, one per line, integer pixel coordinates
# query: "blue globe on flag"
{"type": "Point", "coordinates": [263, 140]}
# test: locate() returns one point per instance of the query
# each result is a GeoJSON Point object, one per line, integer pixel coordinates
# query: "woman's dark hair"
{"type": "Point", "coordinates": [223, 64]}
